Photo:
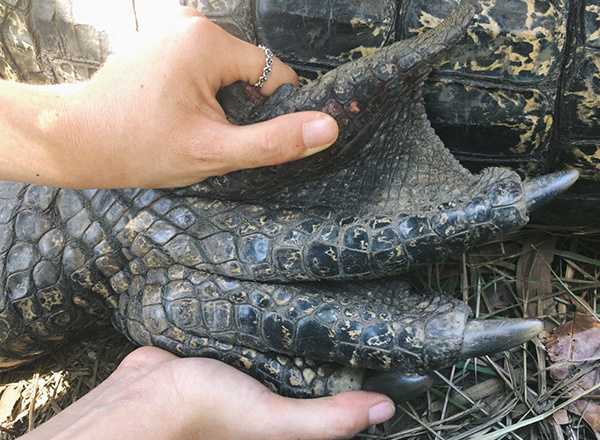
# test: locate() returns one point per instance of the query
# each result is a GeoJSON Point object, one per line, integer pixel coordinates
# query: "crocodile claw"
{"type": "Point", "coordinates": [207, 270]}
{"type": "Point", "coordinates": [397, 386]}
{"type": "Point", "coordinates": [541, 190]}
{"type": "Point", "coordinates": [483, 337]}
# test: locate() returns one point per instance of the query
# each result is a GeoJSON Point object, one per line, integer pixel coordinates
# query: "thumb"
{"type": "Point", "coordinates": [336, 417]}
{"type": "Point", "coordinates": [283, 139]}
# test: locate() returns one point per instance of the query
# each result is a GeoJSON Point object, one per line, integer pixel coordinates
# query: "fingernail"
{"type": "Point", "coordinates": [381, 412]}
{"type": "Point", "coordinates": [319, 133]}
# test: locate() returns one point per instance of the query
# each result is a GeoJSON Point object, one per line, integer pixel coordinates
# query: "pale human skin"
{"type": "Point", "coordinates": [155, 395]}
{"type": "Point", "coordinates": [150, 119]}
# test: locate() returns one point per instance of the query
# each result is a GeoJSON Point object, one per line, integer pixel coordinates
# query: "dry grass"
{"type": "Point", "coordinates": [33, 394]}
{"type": "Point", "coordinates": [509, 395]}
{"type": "Point", "coordinates": [533, 273]}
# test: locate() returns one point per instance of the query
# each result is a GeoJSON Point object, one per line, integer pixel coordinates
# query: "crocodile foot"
{"type": "Point", "coordinates": [290, 272]}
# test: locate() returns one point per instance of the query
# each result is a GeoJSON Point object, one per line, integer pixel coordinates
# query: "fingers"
{"type": "Point", "coordinates": [283, 139]}
{"type": "Point", "coordinates": [256, 62]}
{"type": "Point", "coordinates": [233, 59]}
{"type": "Point", "coordinates": [244, 61]}
{"type": "Point", "coordinates": [230, 58]}
{"type": "Point", "coordinates": [230, 393]}
{"type": "Point", "coordinates": [340, 416]}
{"type": "Point", "coordinates": [211, 398]}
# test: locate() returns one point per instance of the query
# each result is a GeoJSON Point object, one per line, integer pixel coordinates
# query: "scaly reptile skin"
{"type": "Point", "coordinates": [261, 266]}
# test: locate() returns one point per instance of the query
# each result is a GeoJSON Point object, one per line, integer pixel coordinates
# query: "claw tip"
{"type": "Point", "coordinates": [483, 337]}
{"type": "Point", "coordinates": [541, 190]}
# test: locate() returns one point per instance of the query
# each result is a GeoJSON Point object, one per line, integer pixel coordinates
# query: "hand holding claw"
{"type": "Point", "coordinates": [112, 132]}
{"type": "Point", "coordinates": [151, 119]}
{"type": "Point", "coordinates": [155, 395]}
{"type": "Point", "coordinates": [385, 198]}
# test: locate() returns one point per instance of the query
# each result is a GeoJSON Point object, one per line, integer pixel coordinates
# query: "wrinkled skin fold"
{"type": "Point", "coordinates": [288, 272]}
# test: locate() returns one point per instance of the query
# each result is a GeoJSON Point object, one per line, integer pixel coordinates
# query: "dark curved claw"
{"type": "Point", "coordinates": [541, 190]}
{"type": "Point", "coordinates": [483, 337]}
{"type": "Point", "coordinates": [397, 386]}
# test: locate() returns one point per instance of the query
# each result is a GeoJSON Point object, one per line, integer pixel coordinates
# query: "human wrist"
{"type": "Point", "coordinates": [34, 125]}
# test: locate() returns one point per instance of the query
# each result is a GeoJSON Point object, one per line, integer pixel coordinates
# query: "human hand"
{"type": "Point", "coordinates": [156, 395]}
{"type": "Point", "coordinates": [149, 117]}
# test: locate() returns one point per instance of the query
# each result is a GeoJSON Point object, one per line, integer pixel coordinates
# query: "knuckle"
{"type": "Point", "coordinates": [274, 148]}
{"type": "Point", "coordinates": [203, 27]}
{"type": "Point", "coordinates": [197, 26]}
{"type": "Point", "coordinates": [138, 359]}
{"type": "Point", "coordinates": [188, 11]}
{"type": "Point", "coordinates": [209, 157]}
{"type": "Point", "coordinates": [207, 152]}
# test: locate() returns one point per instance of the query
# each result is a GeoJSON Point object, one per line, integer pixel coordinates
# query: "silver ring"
{"type": "Point", "coordinates": [267, 69]}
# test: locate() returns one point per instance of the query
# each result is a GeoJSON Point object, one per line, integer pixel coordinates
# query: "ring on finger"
{"type": "Point", "coordinates": [267, 69]}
